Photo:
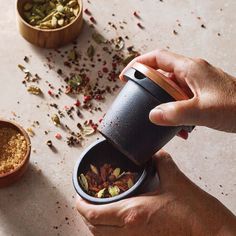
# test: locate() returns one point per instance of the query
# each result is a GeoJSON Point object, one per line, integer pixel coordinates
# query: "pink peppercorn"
{"type": "Point", "coordinates": [105, 69]}
{"type": "Point", "coordinates": [77, 103]}
{"type": "Point", "coordinates": [58, 136]}
{"type": "Point", "coordinates": [87, 98]}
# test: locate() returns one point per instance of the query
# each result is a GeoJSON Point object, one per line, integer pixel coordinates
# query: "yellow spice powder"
{"type": "Point", "coordinates": [13, 148]}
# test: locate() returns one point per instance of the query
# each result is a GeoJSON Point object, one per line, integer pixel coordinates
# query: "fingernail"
{"type": "Point", "coordinates": [156, 115]}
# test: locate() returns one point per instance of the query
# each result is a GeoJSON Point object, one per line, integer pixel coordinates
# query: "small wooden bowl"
{"type": "Point", "coordinates": [12, 176]}
{"type": "Point", "coordinates": [49, 38]}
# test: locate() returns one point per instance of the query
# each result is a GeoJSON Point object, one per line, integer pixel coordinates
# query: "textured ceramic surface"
{"type": "Point", "coordinates": [126, 124]}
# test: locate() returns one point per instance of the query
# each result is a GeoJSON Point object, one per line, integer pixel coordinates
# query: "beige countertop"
{"type": "Point", "coordinates": [42, 203]}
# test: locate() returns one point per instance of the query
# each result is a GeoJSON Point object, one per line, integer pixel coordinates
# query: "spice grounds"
{"type": "Point", "coordinates": [13, 148]}
{"type": "Point", "coordinates": [106, 181]}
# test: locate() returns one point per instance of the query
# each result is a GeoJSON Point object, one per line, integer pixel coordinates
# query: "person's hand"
{"type": "Point", "coordinates": [214, 92]}
{"type": "Point", "coordinates": [177, 207]}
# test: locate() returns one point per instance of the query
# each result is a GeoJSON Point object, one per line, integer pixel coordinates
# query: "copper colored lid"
{"type": "Point", "coordinates": [169, 86]}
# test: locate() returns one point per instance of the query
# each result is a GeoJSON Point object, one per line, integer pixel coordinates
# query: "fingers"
{"type": "Point", "coordinates": [106, 230]}
{"type": "Point", "coordinates": [109, 214]}
{"type": "Point", "coordinates": [166, 168]}
{"type": "Point", "coordinates": [184, 112]}
{"type": "Point", "coordinates": [158, 59]}
{"type": "Point", "coordinates": [100, 230]}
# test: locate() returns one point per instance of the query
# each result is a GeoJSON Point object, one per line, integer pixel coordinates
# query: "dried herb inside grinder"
{"type": "Point", "coordinates": [106, 181]}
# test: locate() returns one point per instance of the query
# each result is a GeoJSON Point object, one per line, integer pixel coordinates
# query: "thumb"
{"type": "Point", "coordinates": [175, 113]}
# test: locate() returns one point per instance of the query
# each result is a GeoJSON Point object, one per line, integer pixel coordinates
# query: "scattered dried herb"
{"type": "Point", "coordinates": [49, 143]}
{"type": "Point", "coordinates": [106, 181]}
{"type": "Point", "coordinates": [140, 26]}
{"type": "Point", "coordinates": [26, 59]}
{"type": "Point", "coordinates": [98, 38]}
{"type": "Point", "coordinates": [72, 55]}
{"type": "Point", "coordinates": [90, 51]}
{"type": "Point", "coordinates": [34, 90]}
{"type": "Point", "coordinates": [56, 120]}
{"type": "Point", "coordinates": [175, 32]}
{"type": "Point", "coordinates": [136, 15]}
{"type": "Point", "coordinates": [119, 43]}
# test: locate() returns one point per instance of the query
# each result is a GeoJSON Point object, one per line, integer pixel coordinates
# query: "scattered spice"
{"type": "Point", "coordinates": [106, 181]}
{"type": "Point", "coordinates": [34, 90]}
{"type": "Point", "coordinates": [49, 143]}
{"type": "Point", "coordinates": [140, 25]}
{"type": "Point", "coordinates": [103, 60]}
{"type": "Point", "coordinates": [136, 15]}
{"type": "Point", "coordinates": [90, 51]}
{"type": "Point", "coordinates": [26, 59]}
{"type": "Point", "coordinates": [13, 148]}
{"type": "Point", "coordinates": [175, 32]}
{"type": "Point", "coordinates": [86, 11]}
{"type": "Point", "coordinates": [93, 20]}
{"type": "Point", "coordinates": [56, 120]}
{"type": "Point", "coordinates": [30, 131]}
{"type": "Point", "coordinates": [98, 38]}
{"type": "Point", "coordinates": [58, 136]}
{"type": "Point", "coordinates": [119, 43]}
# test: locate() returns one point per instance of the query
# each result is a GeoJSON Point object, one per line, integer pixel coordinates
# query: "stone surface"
{"type": "Point", "coordinates": [40, 203]}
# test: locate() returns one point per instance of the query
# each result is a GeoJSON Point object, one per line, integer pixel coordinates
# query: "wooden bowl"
{"type": "Point", "coordinates": [49, 38]}
{"type": "Point", "coordinates": [15, 174]}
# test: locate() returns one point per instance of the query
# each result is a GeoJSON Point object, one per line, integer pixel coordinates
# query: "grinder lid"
{"type": "Point", "coordinates": [162, 81]}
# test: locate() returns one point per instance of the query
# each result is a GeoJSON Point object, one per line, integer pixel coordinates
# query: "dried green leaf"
{"type": "Point", "coordinates": [121, 175]}
{"type": "Point", "coordinates": [72, 3]}
{"type": "Point", "coordinates": [54, 22]}
{"type": "Point", "coordinates": [101, 193]}
{"type": "Point", "coordinates": [60, 8]}
{"type": "Point", "coordinates": [56, 120]}
{"type": "Point", "coordinates": [75, 81]}
{"type": "Point", "coordinates": [119, 43]}
{"type": "Point", "coordinates": [84, 182]}
{"type": "Point", "coordinates": [98, 38]}
{"type": "Point", "coordinates": [61, 22]}
{"type": "Point", "coordinates": [88, 130]}
{"type": "Point", "coordinates": [76, 11]}
{"type": "Point", "coordinates": [116, 172]}
{"type": "Point", "coordinates": [34, 90]}
{"type": "Point", "coordinates": [72, 55]}
{"type": "Point", "coordinates": [113, 190]}
{"type": "Point", "coordinates": [94, 169]}
{"type": "Point", "coordinates": [26, 71]}
{"type": "Point", "coordinates": [90, 51]}
{"type": "Point", "coordinates": [28, 6]}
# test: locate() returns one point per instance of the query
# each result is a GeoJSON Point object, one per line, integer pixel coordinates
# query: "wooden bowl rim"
{"type": "Point", "coordinates": [50, 30]}
{"type": "Point", "coordinates": [27, 155]}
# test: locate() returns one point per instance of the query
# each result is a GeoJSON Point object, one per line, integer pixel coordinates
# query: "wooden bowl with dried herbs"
{"type": "Point", "coordinates": [49, 23]}
{"type": "Point", "coordinates": [14, 152]}
{"type": "Point", "coordinates": [103, 175]}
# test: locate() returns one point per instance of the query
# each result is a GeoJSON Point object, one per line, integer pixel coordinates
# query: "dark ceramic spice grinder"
{"type": "Point", "coordinates": [126, 125]}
